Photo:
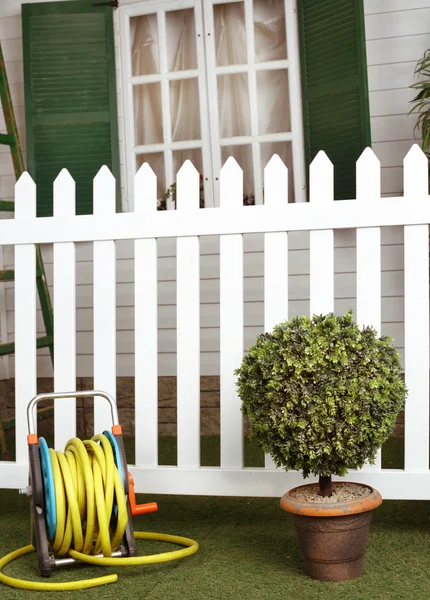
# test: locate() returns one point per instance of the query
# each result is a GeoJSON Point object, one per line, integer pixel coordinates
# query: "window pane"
{"type": "Point", "coordinates": [144, 45]}
{"type": "Point", "coordinates": [284, 150]}
{"type": "Point", "coordinates": [185, 110]}
{"type": "Point", "coordinates": [181, 40]}
{"type": "Point", "coordinates": [273, 102]}
{"type": "Point", "coordinates": [148, 117]}
{"type": "Point", "coordinates": [230, 34]}
{"type": "Point", "coordinates": [243, 155]}
{"type": "Point", "coordinates": [269, 30]}
{"type": "Point", "coordinates": [156, 162]}
{"type": "Point", "coordinates": [233, 105]}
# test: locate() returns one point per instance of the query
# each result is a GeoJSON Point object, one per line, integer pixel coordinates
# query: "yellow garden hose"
{"type": "Point", "coordinates": [87, 486]}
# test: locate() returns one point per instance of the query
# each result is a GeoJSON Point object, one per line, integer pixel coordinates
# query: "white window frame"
{"type": "Point", "coordinates": [164, 77]}
{"type": "Point", "coordinates": [206, 73]}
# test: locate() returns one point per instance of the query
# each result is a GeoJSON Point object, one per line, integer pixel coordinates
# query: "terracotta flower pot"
{"type": "Point", "coordinates": [333, 537]}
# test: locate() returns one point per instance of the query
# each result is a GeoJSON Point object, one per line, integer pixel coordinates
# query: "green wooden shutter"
{"type": "Point", "coordinates": [70, 97]}
{"type": "Point", "coordinates": [334, 86]}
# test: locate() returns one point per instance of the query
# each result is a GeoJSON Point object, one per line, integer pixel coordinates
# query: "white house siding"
{"type": "Point", "coordinates": [397, 33]}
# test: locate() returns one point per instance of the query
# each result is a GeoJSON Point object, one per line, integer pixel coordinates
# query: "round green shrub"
{"type": "Point", "coordinates": [322, 394]}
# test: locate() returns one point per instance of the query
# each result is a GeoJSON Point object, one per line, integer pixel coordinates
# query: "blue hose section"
{"type": "Point", "coordinates": [48, 487]}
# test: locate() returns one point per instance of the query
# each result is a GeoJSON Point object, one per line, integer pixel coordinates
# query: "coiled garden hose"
{"type": "Point", "coordinates": [90, 516]}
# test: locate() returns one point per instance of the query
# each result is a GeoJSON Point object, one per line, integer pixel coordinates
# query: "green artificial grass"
{"type": "Point", "coordinates": [248, 549]}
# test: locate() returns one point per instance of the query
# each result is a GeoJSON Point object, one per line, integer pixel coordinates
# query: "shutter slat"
{"type": "Point", "coordinates": [334, 86]}
{"type": "Point", "coordinates": [71, 113]}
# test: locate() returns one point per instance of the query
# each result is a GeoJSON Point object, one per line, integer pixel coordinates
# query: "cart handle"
{"type": "Point", "coordinates": [31, 423]}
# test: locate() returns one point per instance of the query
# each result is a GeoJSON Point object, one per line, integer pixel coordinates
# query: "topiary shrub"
{"type": "Point", "coordinates": [322, 394]}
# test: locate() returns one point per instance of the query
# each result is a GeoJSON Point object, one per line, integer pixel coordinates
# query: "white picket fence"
{"type": "Point", "coordinates": [275, 219]}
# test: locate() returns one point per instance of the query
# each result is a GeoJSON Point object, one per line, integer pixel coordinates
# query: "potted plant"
{"type": "Point", "coordinates": [322, 396]}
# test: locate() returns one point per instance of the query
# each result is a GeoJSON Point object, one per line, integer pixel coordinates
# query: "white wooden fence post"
{"type": "Point", "coordinates": [188, 323]}
{"type": "Point", "coordinates": [25, 314]}
{"type": "Point", "coordinates": [145, 325]}
{"type": "Point", "coordinates": [275, 254]}
{"type": "Point", "coordinates": [231, 319]}
{"type": "Point", "coordinates": [369, 253]}
{"type": "Point", "coordinates": [104, 302]}
{"type": "Point", "coordinates": [416, 317]}
{"type": "Point", "coordinates": [321, 242]}
{"type": "Point", "coordinates": [64, 315]}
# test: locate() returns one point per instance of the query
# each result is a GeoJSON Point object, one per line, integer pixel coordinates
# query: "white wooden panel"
{"type": "Point", "coordinates": [275, 255]}
{"type": "Point", "coordinates": [392, 312]}
{"type": "Point", "coordinates": [64, 316]}
{"type": "Point", "coordinates": [104, 303]}
{"type": "Point", "coordinates": [7, 182]}
{"type": "Point", "coordinates": [10, 27]}
{"type": "Point", "coordinates": [387, 103]}
{"type": "Point", "coordinates": [387, 6]}
{"type": "Point", "coordinates": [231, 319]}
{"type": "Point", "coordinates": [321, 242]}
{"type": "Point", "coordinates": [398, 24]}
{"type": "Point", "coordinates": [210, 337]}
{"type": "Point", "coordinates": [344, 284]}
{"type": "Point", "coordinates": [391, 183]}
{"type": "Point", "coordinates": [12, 50]}
{"type": "Point", "coordinates": [391, 154]}
{"type": "Point", "coordinates": [391, 129]}
{"type": "Point", "coordinates": [416, 318]}
{"type": "Point", "coordinates": [12, 8]}
{"type": "Point", "coordinates": [253, 265]}
{"type": "Point", "coordinates": [396, 50]}
{"type": "Point", "coordinates": [15, 74]}
{"type": "Point", "coordinates": [209, 364]}
{"type": "Point", "coordinates": [369, 253]}
{"type": "Point", "coordinates": [25, 314]}
{"type": "Point", "coordinates": [392, 77]}
{"type": "Point", "coordinates": [145, 323]}
{"type": "Point", "coordinates": [188, 324]}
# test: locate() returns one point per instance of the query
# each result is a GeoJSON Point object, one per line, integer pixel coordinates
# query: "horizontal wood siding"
{"type": "Point", "coordinates": [396, 38]}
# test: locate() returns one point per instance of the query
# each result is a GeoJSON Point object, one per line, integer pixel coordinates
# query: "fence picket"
{"type": "Point", "coordinates": [104, 302]}
{"type": "Point", "coordinates": [64, 315]}
{"type": "Point", "coordinates": [188, 323]}
{"type": "Point", "coordinates": [145, 321]}
{"type": "Point", "coordinates": [275, 255]}
{"type": "Point", "coordinates": [321, 242]}
{"type": "Point", "coordinates": [25, 314]}
{"type": "Point", "coordinates": [231, 319]}
{"type": "Point", "coordinates": [369, 253]}
{"type": "Point", "coordinates": [416, 317]}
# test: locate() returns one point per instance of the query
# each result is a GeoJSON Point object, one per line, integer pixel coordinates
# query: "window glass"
{"type": "Point", "coordinates": [144, 42]}
{"type": "Point", "coordinates": [233, 105]}
{"type": "Point", "coordinates": [181, 40]}
{"type": "Point", "coordinates": [269, 30]}
{"type": "Point", "coordinates": [184, 109]}
{"type": "Point", "coordinates": [148, 115]}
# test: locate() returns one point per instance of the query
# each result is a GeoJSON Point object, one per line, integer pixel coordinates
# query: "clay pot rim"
{"type": "Point", "coordinates": [349, 507]}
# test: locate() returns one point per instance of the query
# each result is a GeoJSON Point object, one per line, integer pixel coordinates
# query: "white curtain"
{"type": "Point", "coordinates": [184, 98]}
{"type": "Point", "coordinates": [233, 95]}
{"type": "Point", "coordinates": [272, 85]}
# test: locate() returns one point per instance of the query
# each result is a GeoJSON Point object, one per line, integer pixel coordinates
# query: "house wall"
{"type": "Point", "coordinates": [396, 38]}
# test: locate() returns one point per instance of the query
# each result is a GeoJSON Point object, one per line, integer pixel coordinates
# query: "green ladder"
{"type": "Point", "coordinates": [11, 139]}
